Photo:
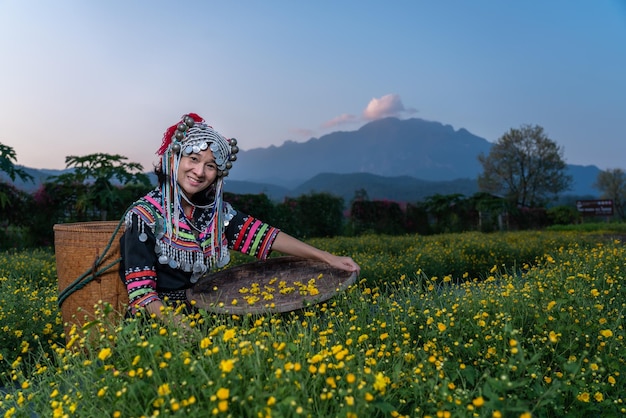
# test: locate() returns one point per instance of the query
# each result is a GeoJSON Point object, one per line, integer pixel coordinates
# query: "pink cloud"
{"type": "Point", "coordinates": [385, 106]}
{"type": "Point", "coordinates": [388, 105]}
{"type": "Point", "coordinates": [339, 120]}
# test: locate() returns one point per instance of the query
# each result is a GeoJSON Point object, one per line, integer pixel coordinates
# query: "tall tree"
{"type": "Point", "coordinates": [612, 184]}
{"type": "Point", "coordinates": [524, 166]}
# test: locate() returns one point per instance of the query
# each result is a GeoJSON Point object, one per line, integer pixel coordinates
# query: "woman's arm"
{"type": "Point", "coordinates": [289, 245]}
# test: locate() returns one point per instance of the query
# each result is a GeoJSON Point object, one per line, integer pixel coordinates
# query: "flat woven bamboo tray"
{"type": "Point", "coordinates": [274, 285]}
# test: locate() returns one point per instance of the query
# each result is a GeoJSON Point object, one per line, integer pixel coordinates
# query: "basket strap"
{"type": "Point", "coordinates": [91, 274]}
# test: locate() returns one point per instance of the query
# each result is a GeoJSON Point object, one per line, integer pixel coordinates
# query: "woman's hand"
{"type": "Point", "coordinates": [289, 245]}
{"type": "Point", "coordinates": [343, 263]}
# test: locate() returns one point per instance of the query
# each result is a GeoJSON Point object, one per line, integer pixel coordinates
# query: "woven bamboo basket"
{"type": "Point", "coordinates": [81, 249]}
{"type": "Point", "coordinates": [275, 285]}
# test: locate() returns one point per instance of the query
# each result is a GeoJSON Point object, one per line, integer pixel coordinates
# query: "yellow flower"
{"type": "Point", "coordinates": [598, 397]}
{"type": "Point", "coordinates": [223, 393]}
{"type": "Point", "coordinates": [351, 378]}
{"type": "Point", "coordinates": [478, 402]}
{"type": "Point", "coordinates": [441, 327]}
{"type": "Point", "coordinates": [205, 343]}
{"type": "Point", "coordinates": [164, 389]}
{"type": "Point", "coordinates": [583, 397]}
{"type": "Point", "coordinates": [611, 380]}
{"type": "Point", "coordinates": [104, 354]}
{"type": "Point", "coordinates": [229, 334]}
{"type": "Point", "coordinates": [381, 382]}
{"type": "Point", "coordinates": [271, 401]}
{"type": "Point", "coordinates": [369, 397]}
{"type": "Point", "coordinates": [606, 333]}
{"type": "Point", "coordinates": [227, 365]}
{"type": "Point", "coordinates": [554, 337]}
{"type": "Point", "coordinates": [222, 406]}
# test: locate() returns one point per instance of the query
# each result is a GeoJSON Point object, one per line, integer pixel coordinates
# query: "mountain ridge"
{"type": "Point", "coordinates": [404, 160]}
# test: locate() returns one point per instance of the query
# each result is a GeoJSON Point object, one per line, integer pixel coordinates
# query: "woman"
{"type": "Point", "coordinates": [183, 228]}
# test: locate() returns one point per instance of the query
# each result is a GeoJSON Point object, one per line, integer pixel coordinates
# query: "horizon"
{"type": "Point", "coordinates": [150, 169]}
{"type": "Point", "coordinates": [268, 73]}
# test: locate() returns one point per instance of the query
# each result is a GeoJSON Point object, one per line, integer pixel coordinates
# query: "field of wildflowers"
{"type": "Point", "coordinates": [519, 324]}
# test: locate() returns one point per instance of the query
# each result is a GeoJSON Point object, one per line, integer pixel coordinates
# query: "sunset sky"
{"type": "Point", "coordinates": [79, 77]}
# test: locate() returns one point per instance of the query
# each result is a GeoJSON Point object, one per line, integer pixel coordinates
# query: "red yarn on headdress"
{"type": "Point", "coordinates": [171, 131]}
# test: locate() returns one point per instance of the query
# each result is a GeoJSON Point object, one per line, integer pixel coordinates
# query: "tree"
{"type": "Point", "coordinates": [7, 160]}
{"type": "Point", "coordinates": [90, 188]}
{"type": "Point", "coordinates": [447, 212]}
{"type": "Point", "coordinates": [526, 167]}
{"type": "Point", "coordinates": [612, 184]}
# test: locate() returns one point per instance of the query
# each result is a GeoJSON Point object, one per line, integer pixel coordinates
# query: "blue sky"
{"type": "Point", "coordinates": [79, 77]}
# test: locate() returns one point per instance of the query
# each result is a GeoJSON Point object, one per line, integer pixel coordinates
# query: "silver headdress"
{"type": "Point", "coordinates": [193, 135]}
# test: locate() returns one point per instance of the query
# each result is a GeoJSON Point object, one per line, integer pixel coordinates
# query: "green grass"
{"type": "Point", "coordinates": [535, 327]}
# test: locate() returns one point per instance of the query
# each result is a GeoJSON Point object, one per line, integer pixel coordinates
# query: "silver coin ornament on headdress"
{"type": "Point", "coordinates": [192, 137]}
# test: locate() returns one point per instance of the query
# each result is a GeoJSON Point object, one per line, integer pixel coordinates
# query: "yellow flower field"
{"type": "Point", "coordinates": [500, 325]}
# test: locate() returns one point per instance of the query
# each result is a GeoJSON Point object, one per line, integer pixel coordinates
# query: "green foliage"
{"type": "Point", "coordinates": [612, 185]}
{"type": "Point", "coordinates": [543, 338]}
{"type": "Point", "coordinates": [92, 190]}
{"type": "Point", "coordinates": [607, 228]}
{"type": "Point", "coordinates": [7, 160]}
{"type": "Point", "coordinates": [311, 215]}
{"type": "Point", "coordinates": [11, 200]}
{"type": "Point", "coordinates": [563, 215]}
{"type": "Point", "coordinates": [258, 205]}
{"type": "Point", "coordinates": [525, 166]}
{"type": "Point", "coordinates": [29, 318]}
{"type": "Point", "coordinates": [376, 217]}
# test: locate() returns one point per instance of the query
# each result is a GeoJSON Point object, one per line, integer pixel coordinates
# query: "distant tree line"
{"type": "Point", "coordinates": [523, 173]}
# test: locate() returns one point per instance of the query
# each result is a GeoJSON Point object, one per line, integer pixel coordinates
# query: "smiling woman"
{"type": "Point", "coordinates": [183, 229]}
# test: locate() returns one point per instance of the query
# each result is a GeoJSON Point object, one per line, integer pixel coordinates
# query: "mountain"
{"type": "Point", "coordinates": [387, 147]}
{"type": "Point", "coordinates": [39, 176]}
{"type": "Point", "coordinates": [404, 160]}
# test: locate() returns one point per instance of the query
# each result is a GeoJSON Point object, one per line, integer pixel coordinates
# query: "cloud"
{"type": "Point", "coordinates": [388, 105]}
{"type": "Point", "coordinates": [385, 106]}
{"type": "Point", "coordinates": [340, 120]}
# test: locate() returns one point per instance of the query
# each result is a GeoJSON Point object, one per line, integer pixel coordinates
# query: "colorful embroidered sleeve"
{"type": "Point", "coordinates": [251, 236]}
{"type": "Point", "coordinates": [139, 264]}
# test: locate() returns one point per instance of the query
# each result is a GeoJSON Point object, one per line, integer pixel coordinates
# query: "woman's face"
{"type": "Point", "coordinates": [196, 172]}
